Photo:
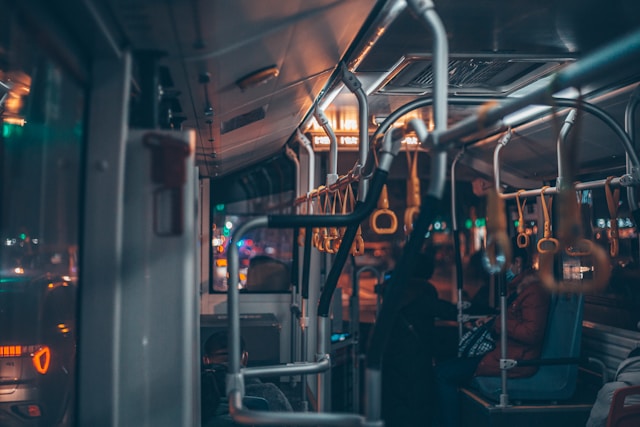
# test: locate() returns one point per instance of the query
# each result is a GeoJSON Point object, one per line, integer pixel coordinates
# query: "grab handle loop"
{"type": "Point", "coordinates": [331, 240]}
{"type": "Point", "coordinates": [497, 252]}
{"type": "Point", "coordinates": [383, 210]}
{"type": "Point", "coordinates": [318, 232]}
{"type": "Point", "coordinates": [413, 193]}
{"type": "Point", "coordinates": [569, 236]}
{"type": "Point", "coordinates": [613, 201]}
{"type": "Point", "coordinates": [522, 240]}
{"type": "Point", "coordinates": [601, 271]}
{"type": "Point", "coordinates": [547, 244]}
{"type": "Point", "coordinates": [357, 247]}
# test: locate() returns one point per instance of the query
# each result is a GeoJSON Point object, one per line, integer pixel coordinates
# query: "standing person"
{"type": "Point", "coordinates": [408, 392]}
{"type": "Point", "coordinates": [526, 322]}
{"type": "Point", "coordinates": [628, 374]}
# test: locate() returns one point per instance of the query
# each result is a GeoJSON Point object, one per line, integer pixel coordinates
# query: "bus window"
{"type": "Point", "coordinates": [264, 256]}
{"type": "Point", "coordinates": [41, 111]}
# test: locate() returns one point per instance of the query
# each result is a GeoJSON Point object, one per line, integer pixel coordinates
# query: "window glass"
{"type": "Point", "coordinates": [265, 256]}
{"type": "Point", "coordinates": [41, 111]}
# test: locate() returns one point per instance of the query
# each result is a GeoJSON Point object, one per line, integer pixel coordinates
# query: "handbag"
{"type": "Point", "coordinates": [477, 342]}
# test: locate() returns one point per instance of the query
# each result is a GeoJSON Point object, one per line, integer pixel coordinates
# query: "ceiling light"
{"type": "Point", "coordinates": [258, 77]}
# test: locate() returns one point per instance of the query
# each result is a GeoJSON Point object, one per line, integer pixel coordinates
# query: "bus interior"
{"type": "Point", "coordinates": [174, 168]}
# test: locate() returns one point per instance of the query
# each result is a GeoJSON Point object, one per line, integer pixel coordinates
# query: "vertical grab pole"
{"type": "Point", "coordinates": [425, 11]}
{"type": "Point", "coordinates": [294, 308]}
{"type": "Point", "coordinates": [235, 382]}
{"type": "Point", "coordinates": [456, 242]}
{"type": "Point", "coordinates": [630, 128]}
{"type": "Point", "coordinates": [304, 289]}
{"type": "Point", "coordinates": [504, 395]}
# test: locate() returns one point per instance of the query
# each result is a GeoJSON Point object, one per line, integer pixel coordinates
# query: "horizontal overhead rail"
{"type": "Point", "coordinates": [619, 55]}
{"type": "Point", "coordinates": [623, 181]}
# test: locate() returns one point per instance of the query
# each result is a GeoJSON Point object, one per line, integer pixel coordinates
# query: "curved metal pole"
{"type": "Point", "coordinates": [562, 141]}
{"type": "Point", "coordinates": [629, 125]}
{"type": "Point", "coordinates": [233, 304]}
{"type": "Point", "coordinates": [502, 142]}
{"type": "Point", "coordinates": [429, 209]}
{"type": "Point", "coordinates": [353, 84]}
{"type": "Point", "coordinates": [379, 24]}
{"type": "Point", "coordinates": [419, 103]}
{"type": "Point", "coordinates": [425, 10]}
{"type": "Point", "coordinates": [332, 176]}
{"type": "Point", "coordinates": [235, 377]}
{"type": "Point", "coordinates": [311, 173]}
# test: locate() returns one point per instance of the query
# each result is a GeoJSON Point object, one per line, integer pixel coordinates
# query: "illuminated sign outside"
{"type": "Point", "coordinates": [350, 142]}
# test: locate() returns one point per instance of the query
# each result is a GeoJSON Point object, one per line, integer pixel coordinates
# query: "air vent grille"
{"type": "Point", "coordinates": [491, 76]}
{"type": "Point", "coordinates": [243, 120]}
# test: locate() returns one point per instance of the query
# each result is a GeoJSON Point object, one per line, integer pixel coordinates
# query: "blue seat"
{"type": "Point", "coordinates": [562, 340]}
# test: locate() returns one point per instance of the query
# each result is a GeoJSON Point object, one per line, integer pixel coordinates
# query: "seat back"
{"type": "Point", "coordinates": [625, 412]}
{"type": "Point", "coordinates": [562, 339]}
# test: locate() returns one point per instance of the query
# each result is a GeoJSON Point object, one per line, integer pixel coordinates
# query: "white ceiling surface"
{"type": "Point", "coordinates": [230, 39]}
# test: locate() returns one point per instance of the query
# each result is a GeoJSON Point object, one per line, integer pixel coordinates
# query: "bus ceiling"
{"type": "Point", "coordinates": [247, 74]}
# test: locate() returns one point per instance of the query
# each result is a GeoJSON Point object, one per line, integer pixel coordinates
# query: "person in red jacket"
{"type": "Point", "coordinates": [526, 323]}
{"type": "Point", "coordinates": [527, 312]}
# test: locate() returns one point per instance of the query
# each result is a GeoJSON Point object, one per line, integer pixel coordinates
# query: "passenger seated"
{"type": "Point", "coordinates": [628, 374]}
{"type": "Point", "coordinates": [213, 389]}
{"type": "Point", "coordinates": [526, 322]}
{"type": "Point", "coordinates": [407, 372]}
{"type": "Point", "coordinates": [267, 274]}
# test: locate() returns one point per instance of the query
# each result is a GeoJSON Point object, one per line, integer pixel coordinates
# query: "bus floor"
{"type": "Point", "coordinates": [478, 411]}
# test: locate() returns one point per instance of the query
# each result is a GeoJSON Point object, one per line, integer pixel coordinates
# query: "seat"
{"type": "Point", "coordinates": [623, 413]}
{"type": "Point", "coordinates": [255, 403]}
{"type": "Point", "coordinates": [562, 340]}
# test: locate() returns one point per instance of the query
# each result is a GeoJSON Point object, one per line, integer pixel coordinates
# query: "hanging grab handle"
{"type": "Point", "coordinates": [522, 240]}
{"type": "Point", "coordinates": [547, 244]}
{"type": "Point", "coordinates": [318, 236]}
{"type": "Point", "coordinates": [332, 239]}
{"type": "Point", "coordinates": [383, 210]}
{"type": "Point", "coordinates": [413, 192]}
{"type": "Point", "coordinates": [613, 200]}
{"type": "Point", "coordinates": [570, 237]}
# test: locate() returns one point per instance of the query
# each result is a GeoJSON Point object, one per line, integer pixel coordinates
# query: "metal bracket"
{"type": "Point", "coordinates": [304, 322]}
{"type": "Point", "coordinates": [508, 363]}
{"type": "Point", "coordinates": [350, 80]}
{"type": "Point", "coordinates": [631, 179]}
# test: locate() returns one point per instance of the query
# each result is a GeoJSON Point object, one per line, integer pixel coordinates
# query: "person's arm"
{"type": "Point", "coordinates": [600, 410]}
{"type": "Point", "coordinates": [528, 324]}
